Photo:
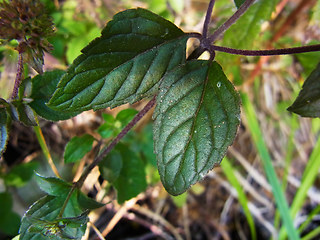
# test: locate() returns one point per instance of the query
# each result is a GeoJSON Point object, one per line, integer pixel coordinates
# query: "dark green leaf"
{"type": "Point", "coordinates": [307, 103]}
{"type": "Point", "coordinates": [43, 87]}
{"type": "Point", "coordinates": [4, 131]}
{"type": "Point", "coordinates": [23, 113]}
{"type": "Point", "coordinates": [59, 188]}
{"type": "Point", "coordinates": [9, 220]}
{"type": "Point", "coordinates": [196, 119]}
{"type": "Point", "coordinates": [20, 174]}
{"type": "Point", "coordinates": [124, 65]}
{"type": "Point", "coordinates": [238, 3]}
{"type": "Point", "coordinates": [42, 222]}
{"type": "Point", "coordinates": [132, 178]}
{"type": "Point", "coordinates": [77, 147]}
{"type": "Point", "coordinates": [86, 202]}
{"type": "Point", "coordinates": [53, 186]}
{"type": "Point", "coordinates": [110, 167]}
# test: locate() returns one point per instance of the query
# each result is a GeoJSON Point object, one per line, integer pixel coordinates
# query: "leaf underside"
{"type": "Point", "coordinates": [4, 133]}
{"type": "Point", "coordinates": [196, 119]}
{"type": "Point", "coordinates": [124, 65]}
{"type": "Point", "coordinates": [307, 104]}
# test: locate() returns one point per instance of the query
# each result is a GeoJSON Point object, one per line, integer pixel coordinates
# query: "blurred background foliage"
{"type": "Point", "coordinates": [235, 200]}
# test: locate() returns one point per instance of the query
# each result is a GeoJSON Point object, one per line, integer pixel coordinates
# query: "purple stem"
{"type": "Point", "coordinates": [310, 48]}
{"type": "Point", "coordinates": [115, 141]}
{"type": "Point", "coordinates": [208, 18]}
{"type": "Point", "coordinates": [242, 9]}
{"type": "Point", "coordinates": [18, 77]}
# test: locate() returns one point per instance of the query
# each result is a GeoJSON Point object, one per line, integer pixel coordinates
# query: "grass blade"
{"type": "Point", "coordinates": [228, 171]}
{"type": "Point", "coordinates": [257, 136]}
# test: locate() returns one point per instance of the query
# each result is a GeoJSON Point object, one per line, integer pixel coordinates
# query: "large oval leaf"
{"type": "Point", "coordinates": [196, 119]}
{"type": "Point", "coordinates": [124, 65]}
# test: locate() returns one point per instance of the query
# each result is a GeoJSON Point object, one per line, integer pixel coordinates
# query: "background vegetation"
{"type": "Point", "coordinates": [235, 200]}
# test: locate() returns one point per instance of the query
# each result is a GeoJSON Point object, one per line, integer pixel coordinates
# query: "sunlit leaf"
{"type": "Point", "coordinates": [196, 119]}
{"type": "Point", "coordinates": [124, 65]}
{"type": "Point", "coordinates": [307, 103]}
{"type": "Point", "coordinates": [244, 32]}
{"type": "Point", "coordinates": [77, 147]}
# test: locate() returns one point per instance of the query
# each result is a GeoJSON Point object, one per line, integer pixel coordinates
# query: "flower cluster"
{"type": "Point", "coordinates": [27, 22]}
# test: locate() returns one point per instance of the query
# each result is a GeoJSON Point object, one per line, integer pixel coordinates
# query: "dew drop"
{"type": "Point", "coordinates": [195, 131]}
{"type": "Point", "coordinates": [218, 84]}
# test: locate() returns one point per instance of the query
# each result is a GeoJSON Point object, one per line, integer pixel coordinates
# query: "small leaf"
{"type": "Point", "coordinates": [77, 147]}
{"type": "Point", "coordinates": [238, 3]}
{"type": "Point", "coordinates": [20, 174]}
{"type": "Point", "coordinates": [43, 87]}
{"type": "Point", "coordinates": [4, 131]}
{"type": "Point", "coordinates": [110, 167]}
{"type": "Point", "coordinates": [132, 178]}
{"type": "Point", "coordinates": [53, 186]}
{"type": "Point", "coordinates": [196, 119]}
{"type": "Point", "coordinates": [307, 103]}
{"type": "Point", "coordinates": [41, 220]}
{"type": "Point", "coordinates": [22, 112]}
{"type": "Point", "coordinates": [59, 188]}
{"type": "Point", "coordinates": [86, 202]}
{"type": "Point", "coordinates": [9, 220]}
{"type": "Point", "coordinates": [124, 65]}
{"type": "Point", "coordinates": [126, 115]}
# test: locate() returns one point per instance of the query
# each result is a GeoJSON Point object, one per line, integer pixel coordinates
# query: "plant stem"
{"type": "Point", "coordinates": [310, 48]}
{"type": "Point", "coordinates": [45, 149]}
{"type": "Point", "coordinates": [66, 201]}
{"type": "Point", "coordinates": [106, 151]}
{"type": "Point", "coordinates": [208, 18]}
{"type": "Point", "coordinates": [242, 9]}
{"type": "Point", "coordinates": [18, 77]}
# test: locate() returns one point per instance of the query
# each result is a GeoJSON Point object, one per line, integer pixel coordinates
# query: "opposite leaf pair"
{"type": "Point", "coordinates": [140, 55]}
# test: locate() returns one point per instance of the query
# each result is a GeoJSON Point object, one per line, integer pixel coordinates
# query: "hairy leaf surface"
{"type": "Point", "coordinates": [196, 119]}
{"type": "Point", "coordinates": [124, 65]}
{"type": "Point", "coordinates": [307, 103]}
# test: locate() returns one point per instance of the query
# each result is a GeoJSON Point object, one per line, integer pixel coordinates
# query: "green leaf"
{"type": "Point", "coordinates": [243, 33]}
{"type": "Point", "coordinates": [58, 187]}
{"type": "Point", "coordinates": [41, 221]}
{"type": "Point", "coordinates": [132, 178]}
{"type": "Point", "coordinates": [238, 3]}
{"type": "Point", "coordinates": [196, 119]}
{"type": "Point", "coordinates": [77, 147]}
{"type": "Point", "coordinates": [43, 87]}
{"type": "Point", "coordinates": [4, 131]}
{"type": "Point", "coordinates": [22, 112]}
{"type": "Point", "coordinates": [126, 115]}
{"type": "Point", "coordinates": [124, 65]}
{"type": "Point", "coordinates": [86, 202]}
{"type": "Point", "coordinates": [53, 186]}
{"type": "Point", "coordinates": [20, 174]}
{"type": "Point", "coordinates": [9, 220]}
{"type": "Point", "coordinates": [110, 167]}
{"type": "Point", "coordinates": [307, 103]}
